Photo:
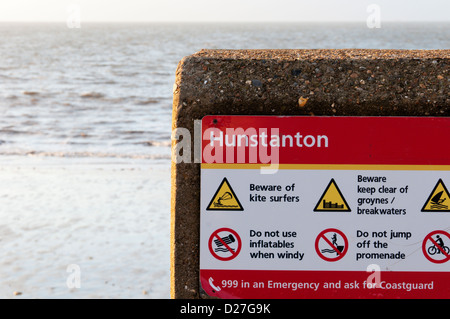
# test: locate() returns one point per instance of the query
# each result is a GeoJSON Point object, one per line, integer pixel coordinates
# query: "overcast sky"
{"type": "Point", "coordinates": [226, 10]}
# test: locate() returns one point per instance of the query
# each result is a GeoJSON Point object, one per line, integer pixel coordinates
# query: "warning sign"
{"type": "Point", "coordinates": [224, 244]}
{"type": "Point", "coordinates": [435, 247]}
{"type": "Point", "coordinates": [325, 207]}
{"type": "Point", "coordinates": [439, 199]}
{"type": "Point", "coordinates": [332, 200]}
{"type": "Point", "coordinates": [331, 245]}
{"type": "Point", "coordinates": [225, 198]}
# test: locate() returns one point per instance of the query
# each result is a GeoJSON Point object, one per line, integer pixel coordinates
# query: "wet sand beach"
{"type": "Point", "coordinates": [109, 219]}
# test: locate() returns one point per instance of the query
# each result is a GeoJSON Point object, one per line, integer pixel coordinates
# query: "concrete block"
{"type": "Point", "coordinates": [288, 82]}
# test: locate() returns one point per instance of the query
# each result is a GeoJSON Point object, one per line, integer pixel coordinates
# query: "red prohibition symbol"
{"type": "Point", "coordinates": [435, 248]}
{"type": "Point", "coordinates": [331, 247]}
{"type": "Point", "coordinates": [224, 244]}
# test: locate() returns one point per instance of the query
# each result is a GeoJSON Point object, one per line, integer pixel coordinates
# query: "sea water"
{"type": "Point", "coordinates": [85, 128]}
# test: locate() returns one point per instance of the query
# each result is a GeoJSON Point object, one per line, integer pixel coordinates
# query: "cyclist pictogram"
{"type": "Point", "coordinates": [435, 247]}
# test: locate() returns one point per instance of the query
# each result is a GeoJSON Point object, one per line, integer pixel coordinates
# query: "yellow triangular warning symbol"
{"type": "Point", "coordinates": [439, 199]}
{"type": "Point", "coordinates": [225, 198]}
{"type": "Point", "coordinates": [332, 200]}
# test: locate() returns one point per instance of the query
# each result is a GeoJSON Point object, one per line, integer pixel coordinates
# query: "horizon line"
{"type": "Point", "coordinates": [227, 22]}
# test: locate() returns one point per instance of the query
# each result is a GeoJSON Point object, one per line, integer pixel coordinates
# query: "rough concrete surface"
{"type": "Point", "coordinates": [289, 82]}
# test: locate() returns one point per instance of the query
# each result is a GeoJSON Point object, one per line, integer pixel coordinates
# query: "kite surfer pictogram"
{"type": "Point", "coordinates": [225, 198]}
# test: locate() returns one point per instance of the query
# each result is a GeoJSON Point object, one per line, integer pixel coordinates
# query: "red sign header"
{"type": "Point", "coordinates": [325, 140]}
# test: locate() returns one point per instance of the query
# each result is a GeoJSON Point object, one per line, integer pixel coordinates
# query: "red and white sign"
{"type": "Point", "coordinates": [224, 244]}
{"type": "Point", "coordinates": [327, 243]}
{"type": "Point", "coordinates": [435, 247]}
{"type": "Point", "coordinates": [327, 200]}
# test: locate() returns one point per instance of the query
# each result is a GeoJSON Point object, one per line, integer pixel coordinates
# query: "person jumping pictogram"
{"type": "Point", "coordinates": [334, 239]}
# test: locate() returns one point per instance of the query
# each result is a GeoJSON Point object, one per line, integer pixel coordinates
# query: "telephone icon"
{"type": "Point", "coordinates": [211, 280]}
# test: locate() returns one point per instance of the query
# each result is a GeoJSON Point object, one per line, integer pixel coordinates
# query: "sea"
{"type": "Point", "coordinates": [85, 135]}
{"type": "Point", "coordinates": [105, 90]}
